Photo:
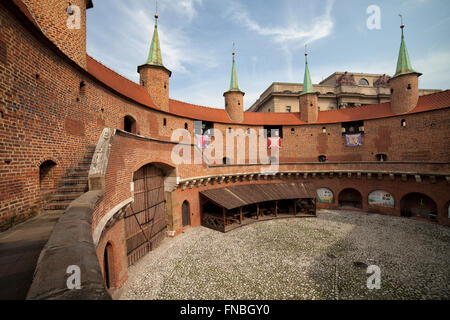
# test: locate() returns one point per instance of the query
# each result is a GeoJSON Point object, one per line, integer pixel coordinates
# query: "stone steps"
{"type": "Point", "coordinates": [73, 185]}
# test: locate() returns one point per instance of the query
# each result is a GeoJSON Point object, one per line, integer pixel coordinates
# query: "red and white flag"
{"type": "Point", "coordinates": [274, 143]}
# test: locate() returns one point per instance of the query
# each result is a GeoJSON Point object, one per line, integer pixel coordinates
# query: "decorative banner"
{"type": "Point", "coordinates": [202, 141]}
{"type": "Point", "coordinates": [353, 140]}
{"type": "Point", "coordinates": [274, 143]}
{"type": "Point", "coordinates": [325, 195]}
{"type": "Point", "coordinates": [380, 198]}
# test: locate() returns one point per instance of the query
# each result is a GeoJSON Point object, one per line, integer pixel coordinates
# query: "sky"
{"type": "Point", "coordinates": [269, 38]}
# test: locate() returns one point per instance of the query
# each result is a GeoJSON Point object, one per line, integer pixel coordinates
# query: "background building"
{"type": "Point", "coordinates": [340, 90]}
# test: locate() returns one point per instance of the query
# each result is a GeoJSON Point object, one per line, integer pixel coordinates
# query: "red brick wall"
{"type": "Point", "coordinates": [49, 117]}
{"type": "Point", "coordinates": [52, 17]}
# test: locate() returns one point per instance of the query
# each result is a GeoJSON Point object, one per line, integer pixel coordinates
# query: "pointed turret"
{"type": "Point", "coordinates": [234, 97]}
{"type": "Point", "coordinates": [308, 100]}
{"type": "Point", "coordinates": [403, 62]}
{"type": "Point", "coordinates": [154, 76]}
{"type": "Point", "coordinates": [307, 83]}
{"type": "Point", "coordinates": [405, 82]}
{"type": "Point", "coordinates": [154, 56]}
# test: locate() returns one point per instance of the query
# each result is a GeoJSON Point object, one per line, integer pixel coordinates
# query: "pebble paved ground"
{"type": "Point", "coordinates": [304, 258]}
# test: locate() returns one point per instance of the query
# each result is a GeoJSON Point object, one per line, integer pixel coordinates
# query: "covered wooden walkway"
{"type": "Point", "coordinates": [228, 208]}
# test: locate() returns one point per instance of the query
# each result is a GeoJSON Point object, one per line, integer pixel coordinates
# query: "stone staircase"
{"type": "Point", "coordinates": [72, 185]}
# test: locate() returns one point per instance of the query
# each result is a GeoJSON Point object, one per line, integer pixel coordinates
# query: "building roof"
{"type": "Point", "coordinates": [239, 196]}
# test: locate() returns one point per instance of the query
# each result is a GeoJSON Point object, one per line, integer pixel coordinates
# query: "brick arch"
{"type": "Point", "coordinates": [335, 197]}
{"type": "Point", "coordinates": [41, 160]}
{"type": "Point", "coordinates": [361, 194]}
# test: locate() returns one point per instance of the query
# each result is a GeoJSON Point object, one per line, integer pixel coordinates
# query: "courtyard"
{"type": "Point", "coordinates": [324, 257]}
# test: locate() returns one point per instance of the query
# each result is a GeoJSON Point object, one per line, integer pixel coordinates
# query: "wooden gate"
{"type": "Point", "coordinates": [145, 221]}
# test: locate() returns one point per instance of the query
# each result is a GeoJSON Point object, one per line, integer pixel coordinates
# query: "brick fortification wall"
{"type": "Point", "coordinates": [44, 117]}
{"type": "Point", "coordinates": [52, 109]}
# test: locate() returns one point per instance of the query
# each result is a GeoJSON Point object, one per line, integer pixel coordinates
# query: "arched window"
{"type": "Point", "coordinates": [47, 175]}
{"type": "Point", "coordinates": [226, 160]}
{"type": "Point", "coordinates": [381, 157]}
{"type": "Point", "coordinates": [129, 124]}
{"type": "Point", "coordinates": [409, 86]}
{"type": "Point", "coordinates": [323, 158]}
{"type": "Point", "coordinates": [403, 123]}
{"type": "Point", "coordinates": [186, 126]}
{"type": "Point", "coordinates": [363, 82]}
{"type": "Point", "coordinates": [164, 122]}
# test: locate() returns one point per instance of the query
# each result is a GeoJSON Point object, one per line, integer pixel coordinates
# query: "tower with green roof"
{"type": "Point", "coordinates": [308, 99]}
{"type": "Point", "coordinates": [405, 82]}
{"type": "Point", "coordinates": [154, 76]}
{"type": "Point", "coordinates": [234, 97]}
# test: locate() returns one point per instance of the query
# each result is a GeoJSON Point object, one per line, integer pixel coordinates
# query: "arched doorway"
{"type": "Point", "coordinates": [108, 265]}
{"type": "Point", "coordinates": [47, 175]}
{"type": "Point", "coordinates": [145, 220]}
{"type": "Point", "coordinates": [417, 204]}
{"type": "Point", "coordinates": [185, 212]}
{"type": "Point", "coordinates": [129, 124]}
{"type": "Point", "coordinates": [350, 198]}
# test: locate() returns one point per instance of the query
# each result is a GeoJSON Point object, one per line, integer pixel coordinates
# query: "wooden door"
{"type": "Point", "coordinates": [145, 221]}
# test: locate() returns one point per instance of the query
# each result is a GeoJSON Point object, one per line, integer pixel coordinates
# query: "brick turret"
{"type": "Point", "coordinates": [405, 83]}
{"type": "Point", "coordinates": [234, 98]}
{"type": "Point", "coordinates": [154, 76]}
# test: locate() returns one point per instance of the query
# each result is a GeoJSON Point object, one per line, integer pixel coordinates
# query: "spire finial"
{"type": "Point", "coordinates": [234, 50]}
{"type": "Point", "coordinates": [306, 50]}
{"type": "Point", "coordinates": [156, 12]}
{"type": "Point", "coordinates": [401, 21]}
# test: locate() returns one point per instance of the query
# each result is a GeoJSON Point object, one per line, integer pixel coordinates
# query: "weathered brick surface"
{"type": "Point", "coordinates": [309, 107]}
{"type": "Point", "coordinates": [52, 17]}
{"type": "Point", "coordinates": [45, 114]}
{"type": "Point", "coordinates": [156, 81]}
{"type": "Point", "coordinates": [405, 92]}
{"type": "Point", "coordinates": [234, 105]}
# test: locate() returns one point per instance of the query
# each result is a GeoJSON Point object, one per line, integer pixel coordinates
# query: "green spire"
{"type": "Point", "coordinates": [234, 83]}
{"type": "Point", "coordinates": [403, 62]}
{"type": "Point", "coordinates": [307, 83]}
{"type": "Point", "coordinates": [154, 56]}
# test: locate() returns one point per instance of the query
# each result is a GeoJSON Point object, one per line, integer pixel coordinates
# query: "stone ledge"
{"type": "Point", "coordinates": [70, 244]}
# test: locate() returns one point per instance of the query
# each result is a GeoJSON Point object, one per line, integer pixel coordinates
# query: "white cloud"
{"type": "Point", "coordinates": [320, 27]}
{"type": "Point", "coordinates": [182, 7]}
{"type": "Point", "coordinates": [435, 69]}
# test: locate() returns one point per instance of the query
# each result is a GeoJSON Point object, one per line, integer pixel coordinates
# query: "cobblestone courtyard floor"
{"type": "Point", "coordinates": [306, 258]}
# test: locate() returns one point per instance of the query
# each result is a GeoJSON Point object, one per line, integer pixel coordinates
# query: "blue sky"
{"type": "Point", "coordinates": [197, 39]}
